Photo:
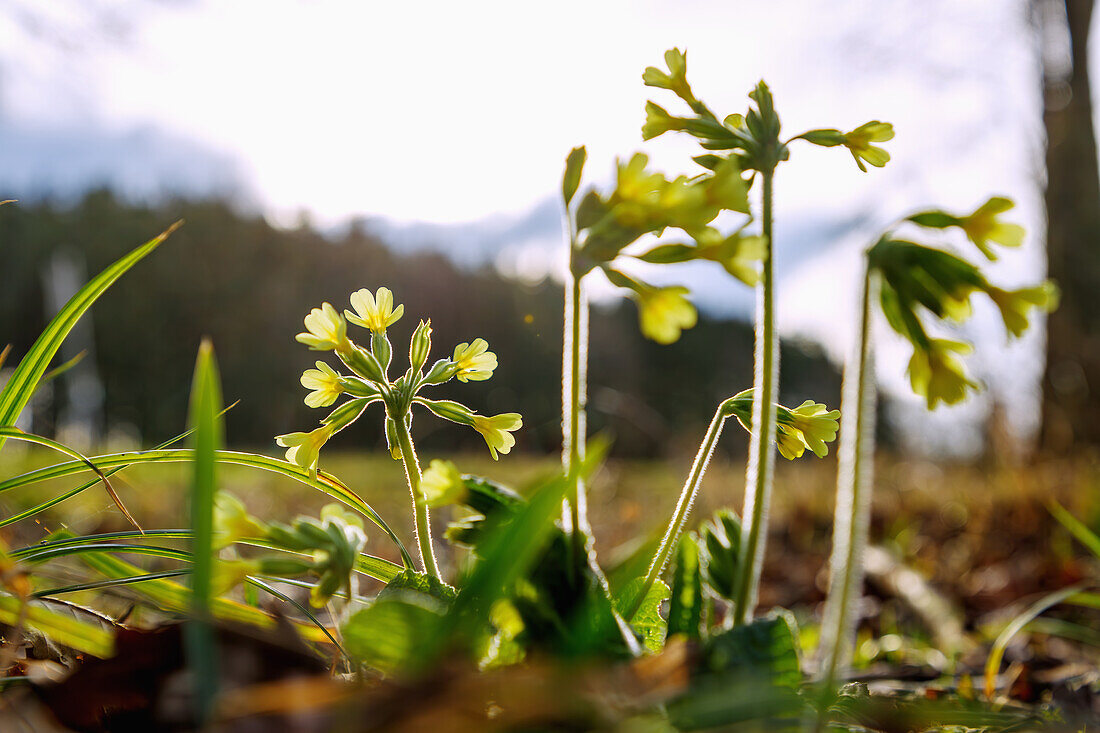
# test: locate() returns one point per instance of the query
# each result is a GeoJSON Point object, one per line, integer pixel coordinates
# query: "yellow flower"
{"type": "Point", "coordinates": [937, 375]}
{"type": "Point", "coordinates": [326, 330]}
{"type": "Point", "coordinates": [375, 312]}
{"type": "Point", "coordinates": [1014, 304]}
{"type": "Point", "coordinates": [304, 449]}
{"type": "Point", "coordinates": [228, 574]}
{"type": "Point", "coordinates": [983, 227]}
{"type": "Point", "coordinates": [442, 484]}
{"type": "Point", "coordinates": [816, 424]}
{"type": "Point", "coordinates": [859, 140]}
{"type": "Point", "coordinates": [497, 431]}
{"type": "Point", "coordinates": [325, 384]}
{"type": "Point", "coordinates": [790, 442]}
{"type": "Point", "coordinates": [664, 312]}
{"type": "Point", "coordinates": [232, 521]}
{"type": "Point", "coordinates": [473, 362]}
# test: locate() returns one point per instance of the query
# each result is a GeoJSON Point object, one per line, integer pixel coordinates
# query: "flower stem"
{"type": "Point", "coordinates": [421, 524]}
{"type": "Point", "coordinates": [574, 396]}
{"type": "Point", "coordinates": [758, 476]}
{"type": "Point", "coordinates": [683, 506]}
{"type": "Point", "coordinates": [853, 500]}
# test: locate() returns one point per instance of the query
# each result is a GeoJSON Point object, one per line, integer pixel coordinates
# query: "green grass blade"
{"type": "Point", "coordinates": [17, 434]}
{"type": "Point", "coordinates": [64, 630]}
{"type": "Point", "coordinates": [1076, 527]}
{"type": "Point", "coordinates": [323, 482]}
{"type": "Point", "coordinates": [38, 508]}
{"type": "Point", "coordinates": [201, 643]}
{"type": "Point", "coordinates": [374, 567]}
{"type": "Point", "coordinates": [996, 653]}
{"type": "Point", "coordinates": [258, 583]}
{"type": "Point", "coordinates": [19, 389]}
{"type": "Point", "coordinates": [110, 583]}
{"type": "Point", "coordinates": [52, 553]}
{"type": "Point", "coordinates": [171, 596]}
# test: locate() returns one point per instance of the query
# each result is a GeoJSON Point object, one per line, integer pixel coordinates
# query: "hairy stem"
{"type": "Point", "coordinates": [683, 506]}
{"type": "Point", "coordinates": [574, 396]}
{"type": "Point", "coordinates": [853, 500]}
{"type": "Point", "coordinates": [421, 524]}
{"type": "Point", "coordinates": [758, 476]}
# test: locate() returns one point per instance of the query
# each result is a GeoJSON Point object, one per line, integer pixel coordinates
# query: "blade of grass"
{"type": "Point", "coordinates": [59, 370]}
{"type": "Point", "coordinates": [52, 553]}
{"type": "Point", "coordinates": [996, 653]}
{"type": "Point", "coordinates": [73, 492]}
{"type": "Point", "coordinates": [199, 638]}
{"type": "Point", "coordinates": [258, 583]}
{"type": "Point", "coordinates": [17, 434]}
{"type": "Point", "coordinates": [19, 389]}
{"type": "Point", "coordinates": [111, 583]}
{"type": "Point", "coordinates": [64, 630]}
{"type": "Point", "coordinates": [1076, 527]}
{"type": "Point", "coordinates": [323, 482]}
{"type": "Point", "coordinates": [171, 596]}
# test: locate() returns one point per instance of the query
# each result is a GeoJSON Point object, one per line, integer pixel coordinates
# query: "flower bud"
{"type": "Point", "coordinates": [381, 349]}
{"type": "Point", "coordinates": [363, 363]}
{"type": "Point", "coordinates": [420, 345]}
{"type": "Point", "coordinates": [440, 372]}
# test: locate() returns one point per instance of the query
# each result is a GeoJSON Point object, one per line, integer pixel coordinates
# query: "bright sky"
{"type": "Point", "coordinates": [451, 112]}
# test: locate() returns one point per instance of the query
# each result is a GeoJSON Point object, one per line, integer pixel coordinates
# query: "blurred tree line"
{"type": "Point", "coordinates": [247, 285]}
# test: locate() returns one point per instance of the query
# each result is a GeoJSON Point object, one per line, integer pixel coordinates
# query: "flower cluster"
{"type": "Point", "coordinates": [917, 281]}
{"type": "Point", "coordinates": [326, 330]}
{"type": "Point", "coordinates": [644, 202]}
{"type": "Point", "coordinates": [327, 547]}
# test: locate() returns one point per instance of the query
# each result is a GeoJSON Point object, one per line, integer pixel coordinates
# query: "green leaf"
{"type": "Point", "coordinates": [574, 166]}
{"type": "Point", "coordinates": [63, 629]}
{"type": "Point", "coordinates": [721, 546]}
{"type": "Point", "coordinates": [750, 672]}
{"type": "Point", "coordinates": [389, 634]}
{"type": "Point", "coordinates": [647, 621]}
{"type": "Point", "coordinates": [201, 646]}
{"type": "Point", "coordinates": [19, 389]}
{"type": "Point", "coordinates": [685, 607]}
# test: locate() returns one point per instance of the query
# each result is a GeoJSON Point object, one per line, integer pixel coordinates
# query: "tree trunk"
{"type": "Point", "coordinates": [1071, 383]}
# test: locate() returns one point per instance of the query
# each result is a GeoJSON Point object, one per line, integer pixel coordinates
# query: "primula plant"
{"type": "Point", "coordinates": [533, 631]}
{"type": "Point", "coordinates": [369, 382]}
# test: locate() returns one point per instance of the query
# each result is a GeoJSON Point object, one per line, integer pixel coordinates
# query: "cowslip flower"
{"type": "Point", "coordinates": [442, 484]}
{"type": "Point", "coordinates": [937, 375]}
{"type": "Point", "coordinates": [325, 330]}
{"type": "Point", "coordinates": [375, 312]}
{"type": "Point", "coordinates": [859, 140]}
{"type": "Point", "coordinates": [816, 424]}
{"type": "Point", "coordinates": [676, 78]}
{"type": "Point", "coordinates": [232, 521]}
{"type": "Point", "coordinates": [473, 362]}
{"type": "Point", "coordinates": [304, 449]}
{"type": "Point", "coordinates": [790, 442]}
{"type": "Point", "coordinates": [324, 382]}
{"type": "Point", "coordinates": [984, 226]}
{"type": "Point", "coordinates": [664, 312]}
{"type": "Point", "coordinates": [497, 431]}
{"type": "Point", "coordinates": [1015, 304]}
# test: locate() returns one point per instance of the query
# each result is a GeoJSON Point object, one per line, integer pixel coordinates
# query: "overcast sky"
{"type": "Point", "coordinates": [447, 112]}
